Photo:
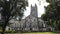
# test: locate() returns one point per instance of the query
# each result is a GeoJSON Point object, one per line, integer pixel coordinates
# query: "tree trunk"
{"type": "Point", "coordinates": [3, 29]}
{"type": "Point", "coordinates": [4, 26]}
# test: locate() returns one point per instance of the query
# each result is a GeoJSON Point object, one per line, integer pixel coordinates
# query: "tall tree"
{"type": "Point", "coordinates": [52, 14]}
{"type": "Point", "coordinates": [10, 9]}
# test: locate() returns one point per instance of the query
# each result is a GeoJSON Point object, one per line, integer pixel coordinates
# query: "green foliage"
{"type": "Point", "coordinates": [12, 8]}
{"type": "Point", "coordinates": [8, 31]}
{"type": "Point", "coordinates": [12, 31]}
{"type": "Point", "coordinates": [52, 14]}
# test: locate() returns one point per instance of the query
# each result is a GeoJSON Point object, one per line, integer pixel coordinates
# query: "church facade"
{"type": "Point", "coordinates": [32, 22]}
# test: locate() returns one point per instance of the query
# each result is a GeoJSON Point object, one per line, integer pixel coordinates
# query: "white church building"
{"type": "Point", "coordinates": [30, 23]}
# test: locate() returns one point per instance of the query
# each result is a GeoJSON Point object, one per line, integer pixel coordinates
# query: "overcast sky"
{"type": "Point", "coordinates": [39, 4]}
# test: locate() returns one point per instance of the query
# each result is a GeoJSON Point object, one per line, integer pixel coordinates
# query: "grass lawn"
{"type": "Point", "coordinates": [34, 33]}
{"type": "Point", "coordinates": [41, 33]}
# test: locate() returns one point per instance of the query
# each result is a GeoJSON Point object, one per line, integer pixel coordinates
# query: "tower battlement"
{"type": "Point", "coordinates": [34, 11]}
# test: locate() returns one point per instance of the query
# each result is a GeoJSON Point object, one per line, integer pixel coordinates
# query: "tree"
{"type": "Point", "coordinates": [10, 9]}
{"type": "Point", "coordinates": [52, 14]}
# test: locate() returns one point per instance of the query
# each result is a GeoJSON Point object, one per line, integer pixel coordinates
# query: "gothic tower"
{"type": "Point", "coordinates": [34, 11]}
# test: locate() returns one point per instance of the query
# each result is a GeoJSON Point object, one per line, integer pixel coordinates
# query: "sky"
{"type": "Point", "coordinates": [40, 5]}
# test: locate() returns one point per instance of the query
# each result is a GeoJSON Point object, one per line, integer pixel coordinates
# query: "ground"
{"type": "Point", "coordinates": [41, 33]}
{"type": "Point", "coordinates": [35, 33]}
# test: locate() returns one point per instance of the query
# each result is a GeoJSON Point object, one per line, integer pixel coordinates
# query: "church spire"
{"type": "Point", "coordinates": [34, 11]}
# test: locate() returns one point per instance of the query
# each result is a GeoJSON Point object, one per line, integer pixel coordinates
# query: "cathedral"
{"type": "Point", "coordinates": [30, 23]}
